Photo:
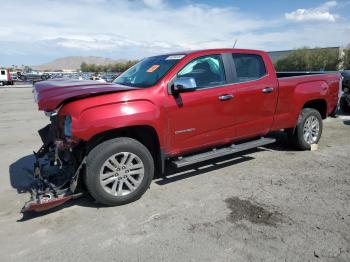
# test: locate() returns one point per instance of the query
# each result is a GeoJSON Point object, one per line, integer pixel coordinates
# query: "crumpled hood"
{"type": "Point", "coordinates": [52, 93]}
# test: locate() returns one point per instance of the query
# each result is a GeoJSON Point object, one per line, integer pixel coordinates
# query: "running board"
{"type": "Point", "coordinates": [189, 160]}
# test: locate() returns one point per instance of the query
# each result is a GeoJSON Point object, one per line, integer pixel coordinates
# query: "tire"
{"type": "Point", "coordinates": [297, 137]}
{"type": "Point", "coordinates": [110, 157]}
{"type": "Point", "coordinates": [1, 83]}
{"type": "Point", "coordinates": [343, 104]}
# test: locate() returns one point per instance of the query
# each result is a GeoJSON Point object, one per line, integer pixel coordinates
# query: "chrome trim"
{"type": "Point", "coordinates": [177, 132]}
{"type": "Point", "coordinates": [226, 97]}
{"type": "Point", "coordinates": [53, 113]}
{"type": "Point", "coordinates": [267, 90]}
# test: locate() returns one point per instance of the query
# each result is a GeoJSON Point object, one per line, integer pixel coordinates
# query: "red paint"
{"type": "Point", "coordinates": [52, 93]}
{"type": "Point", "coordinates": [9, 78]}
{"type": "Point", "coordinates": [251, 113]}
{"type": "Point", "coordinates": [45, 205]}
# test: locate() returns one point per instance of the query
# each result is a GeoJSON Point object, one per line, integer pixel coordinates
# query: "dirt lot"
{"type": "Point", "coordinates": [270, 204]}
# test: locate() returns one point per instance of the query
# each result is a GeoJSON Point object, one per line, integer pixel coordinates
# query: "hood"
{"type": "Point", "coordinates": [52, 93]}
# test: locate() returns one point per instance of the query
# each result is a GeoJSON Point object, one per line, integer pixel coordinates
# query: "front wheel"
{"type": "Point", "coordinates": [308, 130]}
{"type": "Point", "coordinates": [119, 171]}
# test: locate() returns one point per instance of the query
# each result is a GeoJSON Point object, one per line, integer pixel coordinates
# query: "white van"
{"type": "Point", "coordinates": [5, 77]}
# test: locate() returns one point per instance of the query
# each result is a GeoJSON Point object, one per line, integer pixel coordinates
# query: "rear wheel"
{"type": "Point", "coordinates": [119, 171]}
{"type": "Point", "coordinates": [308, 130]}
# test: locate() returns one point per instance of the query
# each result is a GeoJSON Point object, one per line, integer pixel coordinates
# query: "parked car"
{"type": "Point", "coordinates": [345, 98]}
{"type": "Point", "coordinates": [33, 76]}
{"type": "Point", "coordinates": [5, 77]}
{"type": "Point", "coordinates": [14, 76]}
{"type": "Point", "coordinates": [177, 109]}
{"type": "Point", "coordinates": [109, 77]}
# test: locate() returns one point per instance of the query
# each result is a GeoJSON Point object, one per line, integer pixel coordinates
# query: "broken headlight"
{"type": "Point", "coordinates": [68, 126]}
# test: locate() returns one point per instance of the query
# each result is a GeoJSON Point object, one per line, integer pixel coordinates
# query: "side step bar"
{"type": "Point", "coordinates": [189, 160]}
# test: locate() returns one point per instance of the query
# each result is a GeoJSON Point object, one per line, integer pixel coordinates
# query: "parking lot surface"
{"type": "Point", "coordinates": [269, 204]}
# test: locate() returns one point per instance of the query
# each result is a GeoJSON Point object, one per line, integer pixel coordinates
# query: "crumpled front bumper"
{"type": "Point", "coordinates": [56, 173]}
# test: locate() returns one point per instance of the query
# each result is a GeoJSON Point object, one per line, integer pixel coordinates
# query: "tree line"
{"type": "Point", "coordinates": [116, 67]}
{"type": "Point", "coordinates": [318, 59]}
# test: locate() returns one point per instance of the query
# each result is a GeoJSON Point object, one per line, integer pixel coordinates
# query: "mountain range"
{"type": "Point", "coordinates": [74, 62]}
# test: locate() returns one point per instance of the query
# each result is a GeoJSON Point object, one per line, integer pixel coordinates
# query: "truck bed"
{"type": "Point", "coordinates": [308, 86]}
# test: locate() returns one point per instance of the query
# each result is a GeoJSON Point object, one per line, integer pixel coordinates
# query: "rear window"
{"type": "Point", "coordinates": [249, 67]}
{"type": "Point", "coordinates": [2, 72]}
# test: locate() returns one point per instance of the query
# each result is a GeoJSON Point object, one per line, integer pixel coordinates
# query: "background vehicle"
{"type": "Point", "coordinates": [345, 98]}
{"type": "Point", "coordinates": [109, 77]}
{"type": "Point", "coordinates": [180, 108]}
{"type": "Point", "coordinates": [33, 76]}
{"type": "Point", "coordinates": [14, 76]}
{"type": "Point", "coordinates": [5, 77]}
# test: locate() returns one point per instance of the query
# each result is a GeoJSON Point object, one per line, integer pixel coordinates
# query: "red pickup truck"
{"type": "Point", "coordinates": [179, 108]}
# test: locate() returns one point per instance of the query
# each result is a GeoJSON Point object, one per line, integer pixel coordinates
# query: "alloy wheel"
{"type": "Point", "coordinates": [311, 129]}
{"type": "Point", "coordinates": [121, 174]}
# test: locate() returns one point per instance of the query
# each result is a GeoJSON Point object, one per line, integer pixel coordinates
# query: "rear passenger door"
{"type": "Point", "coordinates": [255, 91]}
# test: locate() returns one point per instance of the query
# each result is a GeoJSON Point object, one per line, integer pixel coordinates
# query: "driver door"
{"type": "Point", "coordinates": [202, 117]}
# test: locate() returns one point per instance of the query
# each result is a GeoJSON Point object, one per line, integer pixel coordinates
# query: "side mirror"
{"type": "Point", "coordinates": [184, 84]}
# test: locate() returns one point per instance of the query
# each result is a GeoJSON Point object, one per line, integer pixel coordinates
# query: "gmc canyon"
{"type": "Point", "coordinates": [180, 108]}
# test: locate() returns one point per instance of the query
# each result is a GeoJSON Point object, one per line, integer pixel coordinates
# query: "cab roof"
{"type": "Point", "coordinates": [218, 50]}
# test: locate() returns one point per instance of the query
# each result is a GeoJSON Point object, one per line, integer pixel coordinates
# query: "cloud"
{"type": "Point", "coordinates": [106, 24]}
{"type": "Point", "coordinates": [105, 43]}
{"type": "Point", "coordinates": [320, 13]}
{"type": "Point", "coordinates": [153, 3]}
{"type": "Point", "coordinates": [47, 29]}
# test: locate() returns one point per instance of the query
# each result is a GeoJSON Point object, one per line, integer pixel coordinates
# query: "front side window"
{"type": "Point", "coordinates": [149, 71]}
{"type": "Point", "coordinates": [2, 72]}
{"type": "Point", "coordinates": [249, 67]}
{"type": "Point", "coordinates": [207, 71]}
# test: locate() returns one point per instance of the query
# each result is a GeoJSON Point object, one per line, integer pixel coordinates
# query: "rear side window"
{"type": "Point", "coordinates": [2, 72]}
{"type": "Point", "coordinates": [249, 67]}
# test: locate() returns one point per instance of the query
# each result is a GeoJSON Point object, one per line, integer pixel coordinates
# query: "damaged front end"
{"type": "Point", "coordinates": [58, 164]}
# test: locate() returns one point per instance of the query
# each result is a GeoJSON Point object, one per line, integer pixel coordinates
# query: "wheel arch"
{"type": "Point", "coordinates": [319, 104]}
{"type": "Point", "coordinates": [145, 134]}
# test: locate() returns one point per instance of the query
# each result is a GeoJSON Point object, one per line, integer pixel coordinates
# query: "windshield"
{"type": "Point", "coordinates": [149, 71]}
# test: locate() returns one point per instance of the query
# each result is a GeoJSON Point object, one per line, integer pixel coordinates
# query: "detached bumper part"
{"type": "Point", "coordinates": [46, 201]}
{"type": "Point", "coordinates": [46, 195]}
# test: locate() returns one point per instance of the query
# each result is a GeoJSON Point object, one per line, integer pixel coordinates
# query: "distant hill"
{"type": "Point", "coordinates": [74, 62]}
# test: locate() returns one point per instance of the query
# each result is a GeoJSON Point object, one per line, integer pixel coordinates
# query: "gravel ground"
{"type": "Point", "coordinates": [270, 204]}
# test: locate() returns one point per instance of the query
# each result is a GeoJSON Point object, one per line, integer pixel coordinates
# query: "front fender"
{"type": "Point", "coordinates": [101, 118]}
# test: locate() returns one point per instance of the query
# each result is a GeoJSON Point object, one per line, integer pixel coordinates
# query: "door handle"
{"type": "Point", "coordinates": [225, 97]}
{"type": "Point", "coordinates": [267, 90]}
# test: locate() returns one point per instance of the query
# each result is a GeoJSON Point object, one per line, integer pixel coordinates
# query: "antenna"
{"type": "Point", "coordinates": [235, 43]}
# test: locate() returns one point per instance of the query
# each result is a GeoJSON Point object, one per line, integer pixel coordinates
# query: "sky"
{"type": "Point", "coordinates": [36, 32]}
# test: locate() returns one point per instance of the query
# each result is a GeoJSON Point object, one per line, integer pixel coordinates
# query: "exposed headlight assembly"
{"type": "Point", "coordinates": [68, 126]}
